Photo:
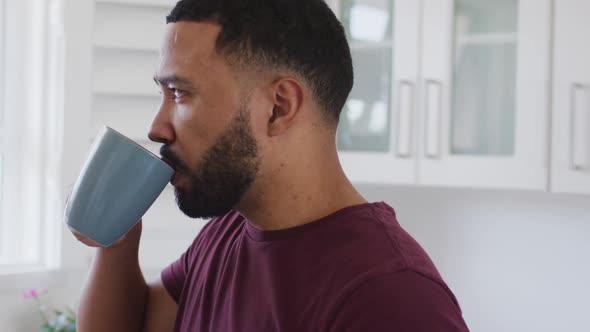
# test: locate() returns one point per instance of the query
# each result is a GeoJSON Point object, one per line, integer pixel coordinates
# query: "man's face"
{"type": "Point", "coordinates": [204, 122]}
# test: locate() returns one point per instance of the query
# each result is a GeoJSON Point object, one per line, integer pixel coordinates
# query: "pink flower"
{"type": "Point", "coordinates": [30, 293]}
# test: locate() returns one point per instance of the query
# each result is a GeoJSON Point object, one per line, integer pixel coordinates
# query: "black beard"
{"type": "Point", "coordinates": [225, 173]}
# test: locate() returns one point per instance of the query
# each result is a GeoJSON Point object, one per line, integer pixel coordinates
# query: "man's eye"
{"type": "Point", "coordinates": [177, 93]}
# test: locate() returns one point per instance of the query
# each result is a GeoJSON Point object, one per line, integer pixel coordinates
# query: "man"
{"type": "Point", "coordinates": [252, 92]}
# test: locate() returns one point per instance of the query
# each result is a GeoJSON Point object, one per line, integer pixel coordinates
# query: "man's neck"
{"type": "Point", "coordinates": [298, 197]}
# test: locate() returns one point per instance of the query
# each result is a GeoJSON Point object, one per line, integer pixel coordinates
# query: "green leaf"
{"type": "Point", "coordinates": [47, 327]}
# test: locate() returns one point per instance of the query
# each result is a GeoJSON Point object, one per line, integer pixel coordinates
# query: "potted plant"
{"type": "Point", "coordinates": [52, 320]}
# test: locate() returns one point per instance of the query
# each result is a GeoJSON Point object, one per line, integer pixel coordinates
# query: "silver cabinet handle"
{"type": "Point", "coordinates": [580, 127]}
{"type": "Point", "coordinates": [433, 118]}
{"type": "Point", "coordinates": [405, 106]}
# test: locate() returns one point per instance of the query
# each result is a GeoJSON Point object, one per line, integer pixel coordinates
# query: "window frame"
{"type": "Point", "coordinates": [2, 65]}
{"type": "Point", "coordinates": [27, 232]}
{"type": "Point", "coordinates": [2, 84]}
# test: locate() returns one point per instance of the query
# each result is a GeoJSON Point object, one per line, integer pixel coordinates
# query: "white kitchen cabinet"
{"type": "Point", "coordinates": [570, 164]}
{"type": "Point", "coordinates": [458, 97]}
{"type": "Point", "coordinates": [377, 131]}
{"type": "Point", "coordinates": [485, 88]}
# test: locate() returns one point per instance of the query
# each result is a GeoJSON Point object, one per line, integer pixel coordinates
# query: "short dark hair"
{"type": "Point", "coordinates": [303, 36]}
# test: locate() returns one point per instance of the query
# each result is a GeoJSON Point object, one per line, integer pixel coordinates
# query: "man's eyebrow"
{"type": "Point", "coordinates": [172, 79]}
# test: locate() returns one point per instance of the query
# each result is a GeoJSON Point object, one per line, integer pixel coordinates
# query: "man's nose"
{"type": "Point", "coordinates": [161, 129]}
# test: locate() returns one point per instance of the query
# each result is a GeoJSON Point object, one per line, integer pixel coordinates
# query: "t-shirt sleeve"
{"type": "Point", "coordinates": [403, 301]}
{"type": "Point", "coordinates": [174, 276]}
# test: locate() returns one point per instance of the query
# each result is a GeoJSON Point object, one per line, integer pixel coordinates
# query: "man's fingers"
{"type": "Point", "coordinates": [82, 238]}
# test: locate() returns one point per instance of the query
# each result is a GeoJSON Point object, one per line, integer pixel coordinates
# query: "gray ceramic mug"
{"type": "Point", "coordinates": [118, 183]}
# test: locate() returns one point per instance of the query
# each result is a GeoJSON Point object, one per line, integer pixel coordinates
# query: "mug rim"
{"type": "Point", "coordinates": [135, 143]}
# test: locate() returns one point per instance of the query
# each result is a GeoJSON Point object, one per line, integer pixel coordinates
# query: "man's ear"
{"type": "Point", "coordinates": [288, 101]}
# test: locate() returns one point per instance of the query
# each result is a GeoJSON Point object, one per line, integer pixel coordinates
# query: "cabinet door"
{"type": "Point", "coordinates": [484, 99]}
{"type": "Point", "coordinates": [571, 98]}
{"type": "Point", "coordinates": [377, 132]}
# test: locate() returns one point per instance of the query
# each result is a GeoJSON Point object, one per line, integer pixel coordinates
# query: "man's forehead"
{"type": "Point", "coordinates": [188, 47]}
{"type": "Point", "coordinates": [190, 38]}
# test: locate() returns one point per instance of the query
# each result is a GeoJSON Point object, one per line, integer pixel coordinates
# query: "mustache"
{"type": "Point", "coordinates": [173, 158]}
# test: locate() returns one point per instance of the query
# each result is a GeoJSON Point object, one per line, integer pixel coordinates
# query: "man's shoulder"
{"type": "Point", "coordinates": [378, 243]}
{"type": "Point", "coordinates": [389, 279]}
{"type": "Point", "coordinates": [406, 299]}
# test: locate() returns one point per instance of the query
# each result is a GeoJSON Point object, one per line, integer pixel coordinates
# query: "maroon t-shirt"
{"type": "Point", "coordinates": [355, 270]}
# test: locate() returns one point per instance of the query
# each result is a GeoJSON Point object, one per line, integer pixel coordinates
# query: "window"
{"type": "Point", "coordinates": [2, 77]}
{"type": "Point", "coordinates": [29, 72]}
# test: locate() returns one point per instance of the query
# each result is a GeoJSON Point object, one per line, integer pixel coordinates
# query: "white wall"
{"type": "Point", "coordinates": [517, 261]}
